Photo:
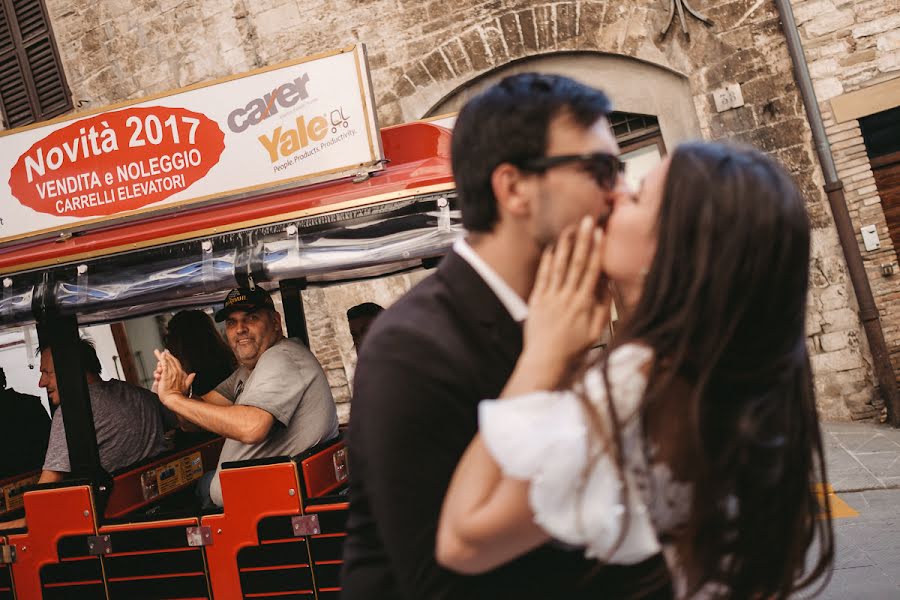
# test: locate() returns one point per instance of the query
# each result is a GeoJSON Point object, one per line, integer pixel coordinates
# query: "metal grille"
{"type": "Point", "coordinates": [627, 126]}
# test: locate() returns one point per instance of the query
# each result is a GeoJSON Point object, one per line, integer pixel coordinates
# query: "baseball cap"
{"type": "Point", "coordinates": [244, 299]}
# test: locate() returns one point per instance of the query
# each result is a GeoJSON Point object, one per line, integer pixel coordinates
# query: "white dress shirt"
{"type": "Point", "coordinates": [517, 308]}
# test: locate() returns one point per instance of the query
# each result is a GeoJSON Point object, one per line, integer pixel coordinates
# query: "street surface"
{"type": "Point", "coordinates": [864, 472]}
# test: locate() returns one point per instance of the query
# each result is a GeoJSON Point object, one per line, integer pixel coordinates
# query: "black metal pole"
{"type": "Point", "coordinates": [294, 314]}
{"type": "Point", "coordinates": [834, 188]}
{"type": "Point", "coordinates": [60, 334]}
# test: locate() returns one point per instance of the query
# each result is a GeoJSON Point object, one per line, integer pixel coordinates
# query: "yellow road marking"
{"type": "Point", "coordinates": [839, 508]}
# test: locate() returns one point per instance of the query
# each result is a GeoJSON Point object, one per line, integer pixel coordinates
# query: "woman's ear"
{"type": "Point", "coordinates": [513, 191]}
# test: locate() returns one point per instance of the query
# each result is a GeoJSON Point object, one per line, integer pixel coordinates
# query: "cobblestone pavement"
{"type": "Point", "coordinates": [864, 471]}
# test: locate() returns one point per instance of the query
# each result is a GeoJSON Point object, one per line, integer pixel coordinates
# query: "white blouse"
{"type": "Point", "coordinates": [576, 492]}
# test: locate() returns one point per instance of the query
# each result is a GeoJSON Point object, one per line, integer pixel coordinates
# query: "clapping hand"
{"type": "Point", "coordinates": [170, 377]}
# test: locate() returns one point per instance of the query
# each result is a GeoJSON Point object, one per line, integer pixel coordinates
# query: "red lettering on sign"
{"type": "Point", "coordinates": [116, 162]}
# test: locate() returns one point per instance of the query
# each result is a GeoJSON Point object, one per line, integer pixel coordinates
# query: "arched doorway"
{"type": "Point", "coordinates": [654, 105]}
{"type": "Point", "coordinates": [635, 86]}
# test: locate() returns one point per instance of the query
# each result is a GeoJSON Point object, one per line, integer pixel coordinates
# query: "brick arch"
{"type": "Point", "coordinates": [634, 86]}
{"type": "Point", "coordinates": [433, 66]}
{"type": "Point", "coordinates": [531, 59]}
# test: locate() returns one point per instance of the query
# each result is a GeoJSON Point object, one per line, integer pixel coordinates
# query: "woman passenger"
{"type": "Point", "coordinates": [192, 337]}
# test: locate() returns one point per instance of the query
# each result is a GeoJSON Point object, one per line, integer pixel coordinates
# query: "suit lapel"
{"type": "Point", "coordinates": [500, 337]}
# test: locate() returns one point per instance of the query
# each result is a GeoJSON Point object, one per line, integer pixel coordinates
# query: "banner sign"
{"type": "Point", "coordinates": [279, 127]}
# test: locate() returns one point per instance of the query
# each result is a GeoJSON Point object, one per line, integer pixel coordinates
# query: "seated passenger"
{"type": "Point", "coordinates": [360, 318]}
{"type": "Point", "coordinates": [277, 403]}
{"type": "Point", "coordinates": [26, 427]}
{"type": "Point", "coordinates": [127, 420]}
{"type": "Point", "coordinates": [192, 338]}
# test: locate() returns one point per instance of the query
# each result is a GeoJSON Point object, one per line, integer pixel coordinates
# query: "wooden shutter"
{"type": "Point", "coordinates": [13, 93]}
{"type": "Point", "coordinates": [52, 95]}
{"type": "Point", "coordinates": [32, 83]}
{"type": "Point", "coordinates": [14, 98]}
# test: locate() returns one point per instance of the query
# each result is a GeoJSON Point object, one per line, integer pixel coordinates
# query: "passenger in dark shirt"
{"type": "Point", "coordinates": [26, 426]}
{"type": "Point", "coordinates": [127, 420]}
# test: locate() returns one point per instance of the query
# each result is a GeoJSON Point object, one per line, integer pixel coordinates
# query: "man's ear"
{"type": "Point", "coordinates": [512, 190]}
{"type": "Point", "coordinates": [277, 318]}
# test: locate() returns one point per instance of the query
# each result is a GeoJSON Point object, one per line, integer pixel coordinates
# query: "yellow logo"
{"type": "Point", "coordinates": [284, 143]}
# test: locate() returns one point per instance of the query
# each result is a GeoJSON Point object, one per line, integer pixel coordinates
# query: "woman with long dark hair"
{"type": "Point", "coordinates": [192, 338]}
{"type": "Point", "coordinates": [697, 434]}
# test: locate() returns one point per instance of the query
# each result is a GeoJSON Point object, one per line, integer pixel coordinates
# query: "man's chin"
{"type": "Point", "coordinates": [248, 356]}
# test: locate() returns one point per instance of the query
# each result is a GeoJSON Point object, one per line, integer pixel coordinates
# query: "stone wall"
{"type": "Point", "coordinates": [329, 333]}
{"type": "Point", "coordinates": [422, 51]}
{"type": "Point", "coordinates": [850, 46]}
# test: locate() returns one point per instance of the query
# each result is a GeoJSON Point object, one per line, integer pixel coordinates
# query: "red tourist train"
{"type": "Point", "coordinates": [134, 534]}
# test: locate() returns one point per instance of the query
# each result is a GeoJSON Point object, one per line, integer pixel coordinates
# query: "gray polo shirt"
{"type": "Point", "coordinates": [288, 383]}
{"type": "Point", "coordinates": [128, 422]}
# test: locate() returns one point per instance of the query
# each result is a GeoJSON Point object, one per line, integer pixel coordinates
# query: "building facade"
{"type": "Point", "coordinates": [853, 52]}
{"type": "Point", "coordinates": [664, 62]}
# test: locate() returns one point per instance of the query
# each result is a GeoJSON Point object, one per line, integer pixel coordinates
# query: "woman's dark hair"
{"type": "Point", "coordinates": [191, 336]}
{"type": "Point", "coordinates": [510, 122]}
{"type": "Point", "coordinates": [724, 309]}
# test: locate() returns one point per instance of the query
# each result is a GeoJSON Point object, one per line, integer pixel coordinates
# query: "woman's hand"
{"type": "Point", "coordinates": [569, 306]}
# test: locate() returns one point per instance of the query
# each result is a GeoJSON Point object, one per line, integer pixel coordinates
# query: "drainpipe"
{"type": "Point", "coordinates": [834, 188]}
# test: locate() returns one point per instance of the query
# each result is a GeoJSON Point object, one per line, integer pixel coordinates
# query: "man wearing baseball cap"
{"type": "Point", "coordinates": [277, 403]}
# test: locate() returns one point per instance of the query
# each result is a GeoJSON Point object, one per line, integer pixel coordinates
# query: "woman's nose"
{"type": "Point", "coordinates": [618, 195]}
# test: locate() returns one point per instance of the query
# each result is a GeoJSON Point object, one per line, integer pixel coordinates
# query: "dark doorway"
{"type": "Point", "coordinates": [881, 133]}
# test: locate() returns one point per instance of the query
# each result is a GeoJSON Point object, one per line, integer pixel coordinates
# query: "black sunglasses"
{"type": "Point", "coordinates": [602, 166]}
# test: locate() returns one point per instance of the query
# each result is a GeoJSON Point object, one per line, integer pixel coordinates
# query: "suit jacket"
{"type": "Point", "coordinates": [423, 367]}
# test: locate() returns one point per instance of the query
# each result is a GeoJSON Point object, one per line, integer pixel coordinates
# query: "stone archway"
{"type": "Point", "coordinates": [635, 86]}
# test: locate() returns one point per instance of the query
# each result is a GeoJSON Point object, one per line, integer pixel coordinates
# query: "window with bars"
{"type": "Point", "coordinates": [32, 84]}
{"type": "Point", "coordinates": [630, 126]}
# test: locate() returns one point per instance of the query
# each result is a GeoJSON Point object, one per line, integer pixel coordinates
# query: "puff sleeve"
{"type": "Point", "coordinates": [576, 491]}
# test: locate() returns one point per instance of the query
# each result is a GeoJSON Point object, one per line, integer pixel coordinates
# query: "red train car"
{"type": "Point", "coordinates": [279, 535]}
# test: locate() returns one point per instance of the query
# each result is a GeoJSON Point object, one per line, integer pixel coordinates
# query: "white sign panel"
{"type": "Point", "coordinates": [278, 127]}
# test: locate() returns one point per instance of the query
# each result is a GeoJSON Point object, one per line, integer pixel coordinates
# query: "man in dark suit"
{"type": "Point", "coordinates": [531, 155]}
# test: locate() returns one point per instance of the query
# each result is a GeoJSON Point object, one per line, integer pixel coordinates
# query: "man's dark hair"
{"type": "Point", "coordinates": [86, 352]}
{"type": "Point", "coordinates": [2, 379]}
{"type": "Point", "coordinates": [509, 122]}
{"type": "Point", "coordinates": [366, 309]}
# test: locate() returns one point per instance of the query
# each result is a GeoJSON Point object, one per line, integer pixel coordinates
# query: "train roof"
{"type": "Point", "coordinates": [353, 227]}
